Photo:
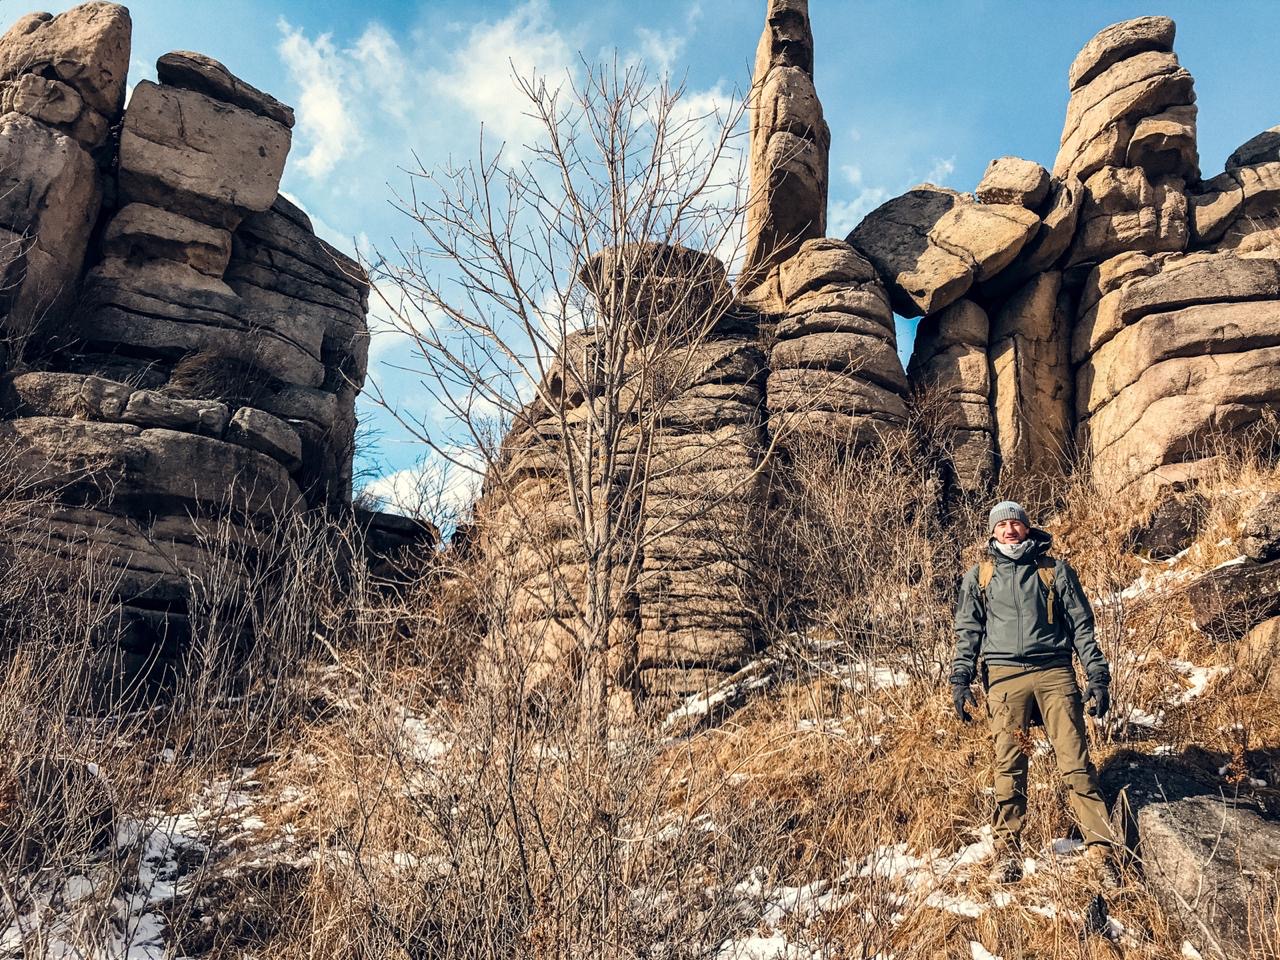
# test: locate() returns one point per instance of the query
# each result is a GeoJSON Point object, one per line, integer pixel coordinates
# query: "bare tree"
{"type": "Point", "coordinates": [557, 300]}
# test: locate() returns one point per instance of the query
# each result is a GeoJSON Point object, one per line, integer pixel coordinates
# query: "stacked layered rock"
{"type": "Point", "coordinates": [834, 370]}
{"type": "Point", "coordinates": [790, 142]}
{"type": "Point", "coordinates": [192, 374]}
{"type": "Point", "coordinates": [682, 488]}
{"type": "Point", "coordinates": [1128, 301]}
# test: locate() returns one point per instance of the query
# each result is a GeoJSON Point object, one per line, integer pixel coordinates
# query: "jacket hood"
{"type": "Point", "coordinates": [1040, 544]}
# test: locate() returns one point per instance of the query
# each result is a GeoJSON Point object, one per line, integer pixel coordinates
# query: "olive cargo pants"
{"type": "Point", "coordinates": [1013, 693]}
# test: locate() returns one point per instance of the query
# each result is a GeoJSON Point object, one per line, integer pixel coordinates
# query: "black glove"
{"type": "Point", "coordinates": [960, 696]}
{"type": "Point", "coordinates": [1100, 697]}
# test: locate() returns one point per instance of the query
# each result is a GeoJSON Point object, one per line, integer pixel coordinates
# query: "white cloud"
{"type": "Point", "coordinates": [323, 76]}
{"type": "Point", "coordinates": [440, 487]}
{"type": "Point", "coordinates": [480, 75]}
{"type": "Point", "coordinates": [940, 171]}
{"type": "Point", "coordinates": [844, 215]}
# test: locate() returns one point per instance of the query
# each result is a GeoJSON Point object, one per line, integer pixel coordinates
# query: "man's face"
{"type": "Point", "coordinates": [1011, 531]}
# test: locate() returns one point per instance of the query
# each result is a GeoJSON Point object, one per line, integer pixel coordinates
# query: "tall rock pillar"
{"type": "Point", "coordinates": [790, 140]}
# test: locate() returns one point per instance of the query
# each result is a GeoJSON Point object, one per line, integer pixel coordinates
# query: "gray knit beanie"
{"type": "Point", "coordinates": [1007, 510]}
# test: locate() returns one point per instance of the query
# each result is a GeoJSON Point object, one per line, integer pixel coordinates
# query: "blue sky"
{"type": "Point", "coordinates": [913, 90]}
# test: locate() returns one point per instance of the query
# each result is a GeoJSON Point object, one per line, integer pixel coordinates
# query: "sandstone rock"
{"type": "Point", "coordinates": [49, 195]}
{"type": "Point", "coordinates": [1260, 528]}
{"type": "Point", "coordinates": [1171, 528]}
{"type": "Point", "coordinates": [788, 150]}
{"type": "Point", "coordinates": [1260, 652]}
{"type": "Point", "coordinates": [949, 367]}
{"type": "Point", "coordinates": [834, 369]}
{"type": "Point", "coordinates": [663, 292]}
{"type": "Point", "coordinates": [1103, 113]}
{"type": "Point", "coordinates": [140, 231]}
{"type": "Point", "coordinates": [260, 431]}
{"type": "Point", "coordinates": [127, 464]}
{"type": "Point", "coordinates": [1031, 389]}
{"type": "Point", "coordinates": [1165, 144]}
{"type": "Point", "coordinates": [1050, 242]}
{"type": "Point", "coordinates": [49, 101]}
{"type": "Point", "coordinates": [195, 71]}
{"type": "Point", "coordinates": [183, 151]}
{"type": "Point", "coordinates": [1207, 860]}
{"type": "Point", "coordinates": [44, 394]}
{"type": "Point", "coordinates": [1013, 180]}
{"type": "Point", "coordinates": [1123, 211]}
{"type": "Point", "coordinates": [1264, 148]}
{"type": "Point", "coordinates": [921, 276]}
{"type": "Point", "coordinates": [149, 408]}
{"type": "Point", "coordinates": [989, 235]}
{"type": "Point", "coordinates": [87, 47]}
{"type": "Point", "coordinates": [1143, 286]}
{"type": "Point", "coordinates": [1117, 42]}
{"type": "Point", "coordinates": [1214, 206]}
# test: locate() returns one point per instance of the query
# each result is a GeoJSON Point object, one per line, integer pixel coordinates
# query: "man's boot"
{"type": "Point", "coordinates": [1008, 867]}
{"type": "Point", "coordinates": [1100, 861]}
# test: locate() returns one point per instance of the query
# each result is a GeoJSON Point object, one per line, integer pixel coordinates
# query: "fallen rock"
{"type": "Point", "coordinates": [1260, 528]}
{"type": "Point", "coordinates": [1229, 602]}
{"type": "Point", "coordinates": [1171, 528]}
{"type": "Point", "coordinates": [1013, 180]}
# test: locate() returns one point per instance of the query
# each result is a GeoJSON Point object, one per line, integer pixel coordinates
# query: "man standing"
{"type": "Point", "coordinates": [1021, 614]}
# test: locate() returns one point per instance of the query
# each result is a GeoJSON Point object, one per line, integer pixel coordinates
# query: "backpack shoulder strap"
{"type": "Point", "coordinates": [986, 570]}
{"type": "Point", "coordinates": [1047, 568]}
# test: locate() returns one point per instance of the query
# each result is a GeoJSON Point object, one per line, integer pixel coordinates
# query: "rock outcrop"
{"type": "Point", "coordinates": [790, 141]}
{"type": "Point", "coordinates": [834, 370]}
{"type": "Point", "coordinates": [1130, 303]}
{"type": "Point", "coordinates": [182, 360]}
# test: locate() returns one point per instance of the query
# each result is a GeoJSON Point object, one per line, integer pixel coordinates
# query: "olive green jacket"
{"type": "Point", "coordinates": [1008, 622]}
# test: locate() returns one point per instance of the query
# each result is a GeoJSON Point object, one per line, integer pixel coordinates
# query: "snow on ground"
{"type": "Point", "coordinates": [114, 910]}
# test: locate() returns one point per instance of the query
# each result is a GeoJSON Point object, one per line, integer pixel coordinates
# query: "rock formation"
{"type": "Point", "coordinates": [1117, 310]}
{"type": "Point", "coordinates": [1129, 302]}
{"type": "Point", "coordinates": [790, 141]}
{"type": "Point", "coordinates": [182, 353]}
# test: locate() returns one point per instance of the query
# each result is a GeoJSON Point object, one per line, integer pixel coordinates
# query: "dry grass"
{"type": "Point", "coordinates": [363, 795]}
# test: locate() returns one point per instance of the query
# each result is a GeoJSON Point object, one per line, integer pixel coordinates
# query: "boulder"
{"type": "Point", "coordinates": [989, 234]}
{"type": "Point", "coordinates": [1212, 863]}
{"type": "Point", "coordinates": [1260, 528]}
{"type": "Point", "coordinates": [150, 408]}
{"type": "Point", "coordinates": [1118, 42]}
{"type": "Point", "coordinates": [49, 198]}
{"type": "Point", "coordinates": [1260, 652]}
{"type": "Point", "coordinates": [1171, 528]}
{"type": "Point", "coordinates": [195, 71]}
{"type": "Point", "coordinates": [141, 231]}
{"type": "Point", "coordinates": [48, 394]}
{"type": "Point", "coordinates": [87, 48]}
{"type": "Point", "coordinates": [186, 152]}
{"type": "Point", "coordinates": [1264, 148]}
{"type": "Point", "coordinates": [790, 141]}
{"type": "Point", "coordinates": [260, 431]}
{"type": "Point", "coordinates": [1230, 601]}
{"type": "Point", "coordinates": [1013, 180]}
{"type": "Point", "coordinates": [1165, 144]}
